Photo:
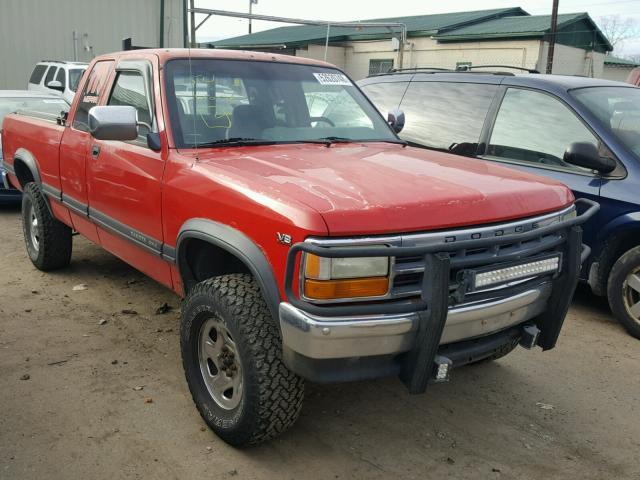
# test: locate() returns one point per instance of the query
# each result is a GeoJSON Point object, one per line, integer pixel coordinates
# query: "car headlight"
{"type": "Point", "coordinates": [573, 213]}
{"type": "Point", "coordinates": [340, 278]}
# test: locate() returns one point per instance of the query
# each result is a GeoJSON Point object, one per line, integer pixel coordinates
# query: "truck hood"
{"type": "Point", "coordinates": [372, 188]}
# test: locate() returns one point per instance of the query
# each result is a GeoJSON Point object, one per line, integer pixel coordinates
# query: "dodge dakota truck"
{"type": "Point", "coordinates": [307, 239]}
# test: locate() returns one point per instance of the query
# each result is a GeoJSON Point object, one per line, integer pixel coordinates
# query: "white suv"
{"type": "Point", "coordinates": [59, 77]}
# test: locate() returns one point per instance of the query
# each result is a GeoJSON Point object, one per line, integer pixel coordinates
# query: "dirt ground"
{"type": "Point", "coordinates": [572, 412]}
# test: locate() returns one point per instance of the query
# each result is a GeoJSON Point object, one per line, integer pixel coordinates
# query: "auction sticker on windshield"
{"type": "Point", "coordinates": [332, 79]}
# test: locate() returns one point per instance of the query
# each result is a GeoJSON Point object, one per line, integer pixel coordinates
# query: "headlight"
{"type": "Point", "coordinates": [569, 215]}
{"type": "Point", "coordinates": [340, 278]}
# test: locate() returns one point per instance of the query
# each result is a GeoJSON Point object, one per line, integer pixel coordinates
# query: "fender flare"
{"type": "Point", "coordinates": [25, 156]}
{"type": "Point", "coordinates": [29, 160]}
{"type": "Point", "coordinates": [237, 244]}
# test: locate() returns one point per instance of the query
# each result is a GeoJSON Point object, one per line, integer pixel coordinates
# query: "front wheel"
{"type": "Point", "coordinates": [232, 357]}
{"type": "Point", "coordinates": [623, 291]}
{"type": "Point", "coordinates": [48, 241]}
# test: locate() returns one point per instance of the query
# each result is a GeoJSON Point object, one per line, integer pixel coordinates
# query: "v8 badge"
{"type": "Point", "coordinates": [284, 238]}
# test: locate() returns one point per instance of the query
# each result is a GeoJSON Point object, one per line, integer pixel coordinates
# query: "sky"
{"type": "Point", "coordinates": [343, 10]}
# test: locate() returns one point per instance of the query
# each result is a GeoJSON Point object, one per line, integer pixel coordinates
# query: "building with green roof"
{"type": "Point", "coordinates": [616, 68]}
{"type": "Point", "coordinates": [506, 36]}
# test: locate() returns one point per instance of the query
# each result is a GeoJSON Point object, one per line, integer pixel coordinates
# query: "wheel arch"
{"type": "Point", "coordinates": [26, 167]}
{"type": "Point", "coordinates": [616, 237]}
{"type": "Point", "coordinates": [231, 243]}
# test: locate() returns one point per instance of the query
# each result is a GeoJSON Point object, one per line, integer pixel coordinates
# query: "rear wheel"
{"type": "Point", "coordinates": [232, 357]}
{"type": "Point", "coordinates": [623, 291]}
{"type": "Point", "coordinates": [48, 241]}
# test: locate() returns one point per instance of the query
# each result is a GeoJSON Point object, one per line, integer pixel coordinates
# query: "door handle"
{"type": "Point", "coordinates": [95, 151]}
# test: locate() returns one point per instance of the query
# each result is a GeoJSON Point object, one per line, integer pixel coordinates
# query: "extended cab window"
{"type": "Point", "coordinates": [385, 95]}
{"type": "Point", "coordinates": [129, 89]}
{"type": "Point", "coordinates": [92, 90]}
{"type": "Point", "coordinates": [533, 127]}
{"type": "Point", "coordinates": [446, 116]}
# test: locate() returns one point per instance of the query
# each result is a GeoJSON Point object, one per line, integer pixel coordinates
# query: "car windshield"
{"type": "Point", "coordinates": [48, 106]}
{"type": "Point", "coordinates": [241, 102]}
{"type": "Point", "coordinates": [618, 108]}
{"type": "Point", "coordinates": [74, 78]}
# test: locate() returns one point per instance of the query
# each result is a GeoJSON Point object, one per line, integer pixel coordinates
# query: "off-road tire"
{"type": "Point", "coordinates": [272, 395]}
{"type": "Point", "coordinates": [626, 264]}
{"type": "Point", "coordinates": [55, 240]}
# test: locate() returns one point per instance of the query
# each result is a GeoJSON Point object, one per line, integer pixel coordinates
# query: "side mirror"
{"type": "Point", "coordinates": [55, 85]}
{"type": "Point", "coordinates": [153, 141]}
{"type": "Point", "coordinates": [395, 119]}
{"type": "Point", "coordinates": [113, 122]}
{"type": "Point", "coordinates": [585, 154]}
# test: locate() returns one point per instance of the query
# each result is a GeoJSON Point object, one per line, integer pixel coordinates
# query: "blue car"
{"type": "Point", "coordinates": [16, 100]}
{"type": "Point", "coordinates": [581, 131]}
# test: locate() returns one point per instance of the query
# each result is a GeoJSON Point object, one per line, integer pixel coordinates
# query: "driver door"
{"type": "Point", "coordinates": [124, 178]}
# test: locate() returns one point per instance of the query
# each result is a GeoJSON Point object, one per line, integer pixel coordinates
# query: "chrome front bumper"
{"type": "Point", "coordinates": [372, 335]}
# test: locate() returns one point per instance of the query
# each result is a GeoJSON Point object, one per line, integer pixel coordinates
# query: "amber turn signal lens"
{"type": "Point", "coordinates": [352, 288]}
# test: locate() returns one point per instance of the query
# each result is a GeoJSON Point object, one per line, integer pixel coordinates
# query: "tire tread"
{"type": "Point", "coordinates": [280, 391]}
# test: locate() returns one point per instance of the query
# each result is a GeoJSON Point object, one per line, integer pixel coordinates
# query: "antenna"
{"type": "Point", "coordinates": [193, 86]}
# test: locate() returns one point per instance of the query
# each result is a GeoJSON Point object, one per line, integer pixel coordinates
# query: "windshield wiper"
{"type": "Point", "coordinates": [236, 142]}
{"type": "Point", "coordinates": [332, 139]}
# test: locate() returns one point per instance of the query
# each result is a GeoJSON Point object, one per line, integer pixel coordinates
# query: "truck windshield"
{"type": "Point", "coordinates": [238, 102]}
{"type": "Point", "coordinates": [618, 108]}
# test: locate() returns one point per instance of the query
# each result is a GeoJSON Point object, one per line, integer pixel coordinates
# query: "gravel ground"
{"type": "Point", "coordinates": [71, 406]}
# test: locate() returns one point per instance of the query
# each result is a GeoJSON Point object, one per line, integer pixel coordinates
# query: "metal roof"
{"type": "Point", "coordinates": [611, 60]}
{"type": "Point", "coordinates": [419, 25]}
{"type": "Point", "coordinates": [533, 26]}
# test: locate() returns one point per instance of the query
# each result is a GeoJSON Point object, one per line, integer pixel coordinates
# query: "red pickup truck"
{"type": "Point", "coordinates": [308, 240]}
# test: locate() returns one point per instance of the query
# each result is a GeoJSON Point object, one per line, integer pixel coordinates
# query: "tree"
{"type": "Point", "coordinates": [618, 29]}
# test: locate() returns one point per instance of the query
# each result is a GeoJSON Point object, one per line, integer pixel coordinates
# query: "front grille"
{"type": "Point", "coordinates": [407, 272]}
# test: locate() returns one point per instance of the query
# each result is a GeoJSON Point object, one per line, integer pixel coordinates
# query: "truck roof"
{"type": "Point", "coordinates": [166, 54]}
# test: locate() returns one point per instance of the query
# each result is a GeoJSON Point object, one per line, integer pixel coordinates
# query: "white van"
{"type": "Point", "coordinates": [59, 77]}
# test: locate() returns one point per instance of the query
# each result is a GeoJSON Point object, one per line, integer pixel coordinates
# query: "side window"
{"type": "Point", "coordinates": [446, 116]}
{"type": "Point", "coordinates": [534, 127]}
{"type": "Point", "coordinates": [386, 95]}
{"type": "Point", "coordinates": [380, 66]}
{"type": "Point", "coordinates": [61, 77]}
{"type": "Point", "coordinates": [93, 88]}
{"type": "Point", "coordinates": [129, 89]}
{"type": "Point", "coordinates": [50, 75]}
{"type": "Point", "coordinates": [37, 74]}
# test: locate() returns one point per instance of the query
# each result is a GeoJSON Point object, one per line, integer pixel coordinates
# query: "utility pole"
{"type": "Point", "coordinates": [251, 3]}
{"type": "Point", "coordinates": [192, 36]}
{"type": "Point", "coordinates": [552, 39]}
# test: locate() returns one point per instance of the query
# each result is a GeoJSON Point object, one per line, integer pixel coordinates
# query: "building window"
{"type": "Point", "coordinates": [463, 65]}
{"type": "Point", "coordinates": [380, 66]}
